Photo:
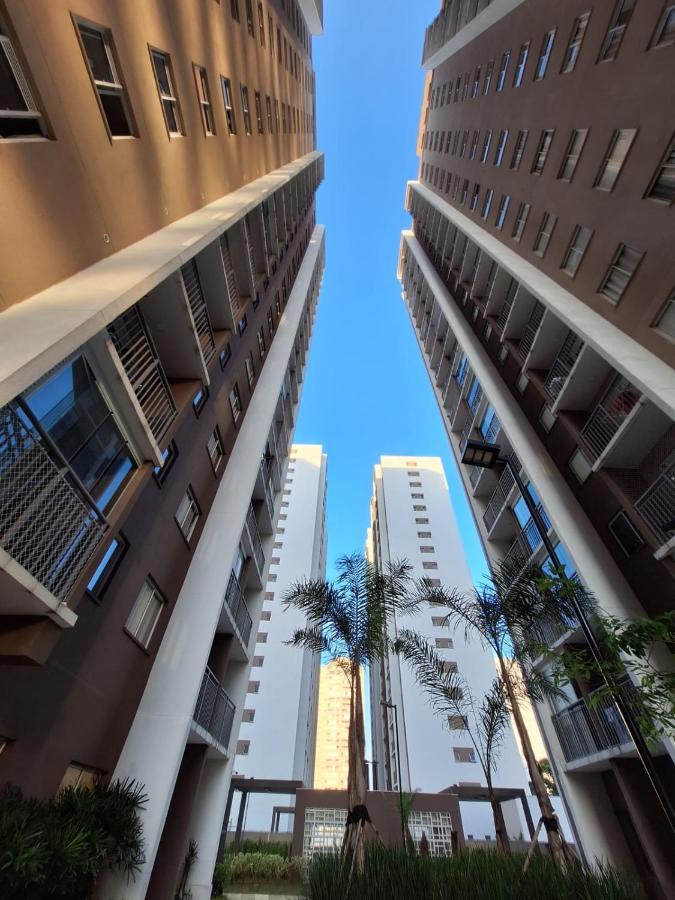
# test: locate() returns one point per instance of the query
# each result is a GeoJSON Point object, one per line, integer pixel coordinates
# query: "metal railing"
{"type": "Point", "coordinates": [200, 314]}
{"type": "Point", "coordinates": [234, 299]}
{"type": "Point", "coordinates": [266, 476]}
{"type": "Point", "coordinates": [473, 399]}
{"type": "Point", "coordinates": [585, 729]}
{"type": "Point", "coordinates": [237, 606]}
{"type": "Point", "coordinates": [527, 541]}
{"type": "Point", "coordinates": [254, 539]}
{"type": "Point", "coordinates": [497, 501]}
{"type": "Point", "coordinates": [657, 504]}
{"type": "Point", "coordinates": [46, 524]}
{"type": "Point", "coordinates": [530, 330]}
{"type": "Point", "coordinates": [464, 436]}
{"type": "Point", "coordinates": [493, 430]}
{"type": "Point", "coordinates": [142, 366]}
{"type": "Point", "coordinates": [455, 15]}
{"type": "Point", "coordinates": [453, 396]}
{"type": "Point", "coordinates": [214, 710]}
{"type": "Point", "coordinates": [504, 312]}
{"type": "Point", "coordinates": [562, 364]}
{"type": "Point", "coordinates": [609, 415]}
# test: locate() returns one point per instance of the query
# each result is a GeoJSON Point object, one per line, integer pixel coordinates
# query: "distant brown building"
{"type": "Point", "coordinates": [161, 265]}
{"type": "Point", "coordinates": [539, 276]}
{"type": "Point", "coordinates": [331, 763]}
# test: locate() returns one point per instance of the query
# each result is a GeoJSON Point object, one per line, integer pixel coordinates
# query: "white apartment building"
{"type": "Point", "coordinates": [277, 738]}
{"type": "Point", "coordinates": [412, 518]}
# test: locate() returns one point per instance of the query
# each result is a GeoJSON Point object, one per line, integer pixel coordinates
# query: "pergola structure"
{"type": "Point", "coordinates": [477, 793]}
{"type": "Point", "coordinates": [247, 786]}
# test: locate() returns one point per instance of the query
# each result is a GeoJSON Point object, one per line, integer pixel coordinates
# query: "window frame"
{"type": "Point", "coordinates": [106, 568]}
{"type": "Point", "coordinates": [521, 65]}
{"type": "Point", "coordinates": [503, 70]}
{"type": "Point", "coordinates": [162, 603]}
{"type": "Point", "coordinates": [576, 132]}
{"type": "Point", "coordinates": [574, 44]}
{"type": "Point", "coordinates": [518, 150]}
{"type": "Point", "coordinates": [160, 472]}
{"type": "Point", "coordinates": [230, 115]}
{"type": "Point", "coordinates": [522, 216]}
{"type": "Point", "coordinates": [204, 99]}
{"type": "Point", "coordinates": [217, 437]}
{"type": "Point", "coordinates": [545, 223]}
{"type": "Point", "coordinates": [245, 109]}
{"type": "Point", "coordinates": [156, 53]}
{"type": "Point", "coordinates": [542, 151]}
{"type": "Point", "coordinates": [612, 27]}
{"type": "Point", "coordinates": [665, 164]}
{"type": "Point", "coordinates": [666, 308]}
{"type": "Point", "coordinates": [545, 55]}
{"type": "Point", "coordinates": [668, 9]}
{"type": "Point", "coordinates": [192, 507]}
{"type": "Point", "coordinates": [614, 266]}
{"type": "Point", "coordinates": [571, 248]}
{"type": "Point", "coordinates": [235, 408]}
{"type": "Point", "coordinates": [614, 140]}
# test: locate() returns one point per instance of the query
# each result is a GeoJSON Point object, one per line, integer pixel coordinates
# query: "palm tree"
{"type": "Point", "coordinates": [505, 610]}
{"type": "Point", "coordinates": [349, 619]}
{"type": "Point", "coordinates": [449, 695]}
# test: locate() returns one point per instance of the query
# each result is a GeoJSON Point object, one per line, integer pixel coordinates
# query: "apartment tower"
{"type": "Point", "coordinates": [539, 277]}
{"type": "Point", "coordinates": [412, 518]}
{"type": "Point", "coordinates": [331, 764]}
{"type": "Point", "coordinates": [277, 738]}
{"type": "Point", "coordinates": [159, 279]}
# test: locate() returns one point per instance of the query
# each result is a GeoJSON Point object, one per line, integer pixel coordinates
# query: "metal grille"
{"type": "Point", "coordinates": [236, 306]}
{"type": "Point", "coordinates": [200, 314]}
{"type": "Point", "coordinates": [144, 370]}
{"type": "Point", "coordinates": [214, 710]}
{"type": "Point", "coordinates": [506, 306]}
{"type": "Point", "coordinates": [609, 415]}
{"type": "Point", "coordinates": [323, 831]}
{"type": "Point", "coordinates": [249, 252]}
{"type": "Point", "coordinates": [562, 365]}
{"type": "Point", "coordinates": [657, 504]}
{"type": "Point", "coordinates": [498, 499]}
{"type": "Point", "coordinates": [254, 539]}
{"type": "Point", "coordinates": [584, 730]}
{"type": "Point", "coordinates": [437, 826]}
{"type": "Point", "coordinates": [237, 606]}
{"type": "Point", "coordinates": [530, 330]}
{"type": "Point", "coordinates": [45, 525]}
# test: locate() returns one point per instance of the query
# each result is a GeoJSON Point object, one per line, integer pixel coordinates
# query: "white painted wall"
{"type": "Point", "coordinates": [283, 734]}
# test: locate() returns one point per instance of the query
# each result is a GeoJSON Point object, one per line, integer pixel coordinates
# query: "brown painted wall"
{"type": "Point", "coordinates": [635, 90]}
{"type": "Point", "coordinates": [81, 195]}
{"type": "Point", "coordinates": [80, 704]}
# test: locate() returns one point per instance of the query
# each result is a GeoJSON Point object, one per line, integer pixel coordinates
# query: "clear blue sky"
{"type": "Point", "coordinates": [366, 391]}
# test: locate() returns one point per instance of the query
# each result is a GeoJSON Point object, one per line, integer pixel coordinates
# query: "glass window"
{"type": "Point", "coordinates": [97, 45]}
{"type": "Point", "coordinates": [16, 97]}
{"type": "Point", "coordinates": [474, 197]}
{"type": "Point", "coordinates": [250, 369]}
{"type": "Point", "coordinates": [487, 203]}
{"type": "Point", "coordinates": [616, 30]}
{"type": "Point", "coordinates": [487, 139]}
{"type": "Point", "coordinates": [167, 92]}
{"type": "Point", "coordinates": [501, 146]}
{"type": "Point", "coordinates": [488, 76]}
{"type": "Point", "coordinates": [235, 402]}
{"type": "Point", "coordinates": [665, 321]}
{"type": "Point", "coordinates": [545, 231]}
{"type": "Point", "coordinates": [227, 102]}
{"type": "Point", "coordinates": [544, 55]}
{"type": "Point", "coordinates": [225, 355]}
{"type": "Point", "coordinates": [214, 447]}
{"type": "Point", "coordinates": [521, 221]}
{"type": "Point", "coordinates": [665, 30]}
{"type": "Point", "coordinates": [77, 776]}
{"type": "Point", "coordinates": [572, 154]}
{"type": "Point", "coordinates": [662, 187]}
{"type": "Point", "coordinates": [476, 81]}
{"type": "Point", "coordinates": [545, 142]}
{"type": "Point", "coordinates": [187, 514]}
{"type": "Point", "coordinates": [503, 68]}
{"type": "Point", "coordinates": [464, 754]}
{"type": "Point", "coordinates": [489, 424]}
{"type": "Point", "coordinates": [519, 149]}
{"type": "Point", "coordinates": [200, 399]}
{"type": "Point", "coordinates": [615, 157]}
{"type": "Point", "coordinates": [249, 17]}
{"type": "Point", "coordinates": [462, 369]}
{"type": "Point", "coordinates": [71, 409]}
{"type": "Point", "coordinates": [145, 613]}
{"type": "Point", "coordinates": [581, 238]}
{"type": "Point", "coordinates": [474, 145]}
{"type": "Point", "coordinates": [106, 568]}
{"type": "Point", "coordinates": [564, 560]}
{"type": "Point", "coordinates": [245, 109]}
{"type": "Point", "coordinates": [502, 211]}
{"type": "Point", "coordinates": [169, 455]}
{"type": "Point", "coordinates": [575, 41]}
{"type": "Point", "coordinates": [619, 274]}
{"type": "Point", "coordinates": [234, 9]}
{"type": "Point", "coordinates": [520, 65]}
{"type": "Point", "coordinates": [204, 97]}
{"type": "Point", "coordinates": [268, 109]}
{"type": "Point", "coordinates": [258, 112]}
{"type": "Point", "coordinates": [261, 24]}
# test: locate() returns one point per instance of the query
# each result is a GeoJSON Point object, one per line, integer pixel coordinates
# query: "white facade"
{"type": "Point", "coordinates": [277, 737]}
{"type": "Point", "coordinates": [412, 518]}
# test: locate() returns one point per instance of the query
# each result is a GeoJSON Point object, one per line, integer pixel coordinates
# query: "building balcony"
{"type": "Point", "coordinates": [214, 712]}
{"type": "Point", "coordinates": [609, 416]}
{"type": "Point", "coordinates": [563, 364]}
{"type": "Point", "coordinates": [251, 540]}
{"type": "Point", "coordinates": [657, 506]}
{"type": "Point", "coordinates": [452, 18]}
{"type": "Point", "coordinates": [590, 734]}
{"type": "Point", "coordinates": [237, 613]}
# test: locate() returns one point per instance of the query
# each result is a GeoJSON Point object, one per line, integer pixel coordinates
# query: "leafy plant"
{"type": "Point", "coordinates": [57, 848]}
{"type": "Point", "coordinates": [547, 775]}
{"type": "Point", "coordinates": [255, 869]}
{"type": "Point", "coordinates": [248, 845]}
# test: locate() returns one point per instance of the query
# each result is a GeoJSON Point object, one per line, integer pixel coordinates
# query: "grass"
{"type": "Point", "coordinates": [264, 887]}
{"type": "Point", "coordinates": [472, 875]}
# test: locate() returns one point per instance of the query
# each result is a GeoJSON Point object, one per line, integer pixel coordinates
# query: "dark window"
{"type": "Point", "coordinates": [625, 533]}
{"type": "Point", "coordinates": [245, 108]}
{"type": "Point", "coordinates": [572, 154]}
{"type": "Point", "coordinates": [19, 113]}
{"type": "Point", "coordinates": [204, 97]}
{"type": "Point", "coordinates": [200, 399]}
{"type": "Point", "coordinates": [618, 150]}
{"type": "Point", "coordinates": [169, 455]}
{"type": "Point", "coordinates": [234, 9]}
{"type": "Point", "coordinates": [544, 55]}
{"type": "Point", "coordinates": [616, 30]}
{"type": "Point", "coordinates": [545, 142]}
{"type": "Point", "coordinates": [665, 30]}
{"type": "Point", "coordinates": [227, 102]}
{"type": "Point", "coordinates": [167, 92]}
{"type": "Point", "coordinates": [575, 42]}
{"type": "Point", "coordinates": [98, 51]}
{"type": "Point", "coordinates": [662, 187]}
{"type": "Point", "coordinates": [249, 17]}
{"type": "Point", "coordinates": [225, 355]}
{"type": "Point", "coordinates": [107, 567]}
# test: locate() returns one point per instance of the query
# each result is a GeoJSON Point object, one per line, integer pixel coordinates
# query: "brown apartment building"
{"type": "Point", "coordinates": [539, 274]}
{"type": "Point", "coordinates": [161, 264]}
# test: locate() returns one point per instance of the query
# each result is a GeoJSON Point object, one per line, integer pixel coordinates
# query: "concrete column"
{"type": "Point", "coordinates": [154, 747]}
{"type": "Point", "coordinates": [206, 822]}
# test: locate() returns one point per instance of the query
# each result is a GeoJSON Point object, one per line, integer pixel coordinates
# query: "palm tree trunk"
{"type": "Point", "coordinates": [555, 840]}
{"type": "Point", "coordinates": [357, 817]}
{"type": "Point", "coordinates": [501, 834]}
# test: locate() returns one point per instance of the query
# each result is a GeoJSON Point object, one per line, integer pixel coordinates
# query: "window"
{"type": "Point", "coordinates": [250, 369]}
{"type": "Point", "coordinates": [476, 81]}
{"type": "Point", "coordinates": [439, 621]}
{"type": "Point", "coordinates": [443, 643]}
{"type": "Point", "coordinates": [419, 509]}
{"type": "Point", "coordinates": [415, 483]}
{"type": "Point", "coordinates": [502, 211]}
{"type": "Point", "coordinates": [234, 9]}
{"type": "Point", "coordinates": [214, 447]}
{"type": "Point", "coordinates": [544, 55]}
{"type": "Point", "coordinates": [249, 17]}
{"type": "Point", "coordinates": [572, 154]}
{"type": "Point", "coordinates": [261, 342]}
{"type": "Point", "coordinates": [427, 549]}
{"type": "Point", "coordinates": [145, 613]}
{"type": "Point", "coordinates": [502, 70]}
{"type": "Point", "coordinates": [257, 662]}
{"type": "Point", "coordinates": [200, 399]}
{"type": "Point", "coordinates": [268, 109]}
{"type": "Point", "coordinates": [464, 754]}
{"type": "Point", "coordinates": [169, 455]}
{"type": "Point", "coordinates": [225, 355]}
{"type": "Point", "coordinates": [167, 93]}
{"type": "Point", "coordinates": [501, 146]}
{"type": "Point", "coordinates": [456, 723]}
{"type": "Point", "coordinates": [487, 139]}
{"type": "Point", "coordinates": [488, 76]}
{"type": "Point", "coordinates": [625, 533]}
{"type": "Point", "coordinates": [545, 142]}
{"type": "Point", "coordinates": [519, 149]}
{"type": "Point", "coordinates": [665, 30]}
{"type": "Point", "coordinates": [235, 402]}
{"type": "Point", "coordinates": [227, 102]}
{"type": "Point", "coordinates": [248, 715]}
{"type": "Point", "coordinates": [107, 567]}
{"type": "Point", "coordinates": [421, 521]}
{"type": "Point", "coordinates": [545, 231]}
{"type": "Point", "coordinates": [204, 98]}
{"type": "Point", "coordinates": [187, 514]}
{"type": "Point", "coordinates": [423, 534]}
{"type": "Point", "coordinates": [429, 565]}
{"type": "Point", "coordinates": [97, 46]}
{"type": "Point", "coordinates": [258, 112]}
{"type": "Point", "coordinates": [245, 109]}
{"type": "Point", "coordinates": [261, 24]}
{"type": "Point", "coordinates": [269, 596]}
{"type": "Point", "coordinates": [465, 140]}
{"type": "Point", "coordinates": [19, 113]}
{"type": "Point", "coordinates": [577, 247]}
{"type": "Point", "coordinates": [487, 203]}
{"type": "Point", "coordinates": [70, 407]}
{"type": "Point", "coordinates": [616, 30]}
{"type": "Point", "coordinates": [253, 687]}
{"type": "Point", "coordinates": [78, 776]}
{"type": "Point", "coordinates": [662, 188]}
{"type": "Point", "coordinates": [575, 41]}
{"type": "Point", "coordinates": [615, 157]}
{"type": "Point", "coordinates": [265, 615]}
{"type": "Point", "coordinates": [243, 748]}
{"type": "Point", "coordinates": [626, 260]}
{"type": "Point", "coordinates": [521, 221]}
{"type": "Point", "coordinates": [474, 197]}
{"type": "Point", "coordinates": [474, 145]}
{"type": "Point", "coordinates": [520, 65]}
{"type": "Point", "coordinates": [665, 321]}
{"type": "Point", "coordinates": [417, 496]}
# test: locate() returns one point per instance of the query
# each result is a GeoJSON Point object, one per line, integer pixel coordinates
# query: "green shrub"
{"type": "Point", "coordinates": [280, 848]}
{"type": "Point", "coordinates": [255, 868]}
{"type": "Point", "coordinates": [478, 875]}
{"type": "Point", "coordinates": [57, 848]}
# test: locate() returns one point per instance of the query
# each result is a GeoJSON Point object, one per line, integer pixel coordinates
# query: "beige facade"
{"type": "Point", "coordinates": [332, 734]}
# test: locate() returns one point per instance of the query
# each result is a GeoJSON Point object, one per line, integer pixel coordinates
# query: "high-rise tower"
{"type": "Point", "coordinates": [160, 272]}
{"type": "Point", "coordinates": [539, 280]}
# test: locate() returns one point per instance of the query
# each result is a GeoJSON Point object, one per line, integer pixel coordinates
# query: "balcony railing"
{"type": "Point", "coordinates": [214, 710]}
{"type": "Point", "coordinates": [200, 314]}
{"type": "Point", "coordinates": [609, 415]}
{"type": "Point", "coordinates": [527, 541]}
{"type": "Point", "coordinates": [584, 729]}
{"type": "Point", "coordinates": [234, 299]}
{"type": "Point", "coordinates": [143, 368]}
{"type": "Point", "coordinates": [530, 330]}
{"type": "Point", "coordinates": [47, 525]}
{"type": "Point", "coordinates": [237, 606]}
{"type": "Point", "coordinates": [455, 15]}
{"type": "Point", "coordinates": [266, 476]}
{"type": "Point", "coordinates": [562, 365]}
{"type": "Point", "coordinates": [657, 504]}
{"type": "Point", "coordinates": [254, 539]}
{"type": "Point", "coordinates": [498, 499]}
